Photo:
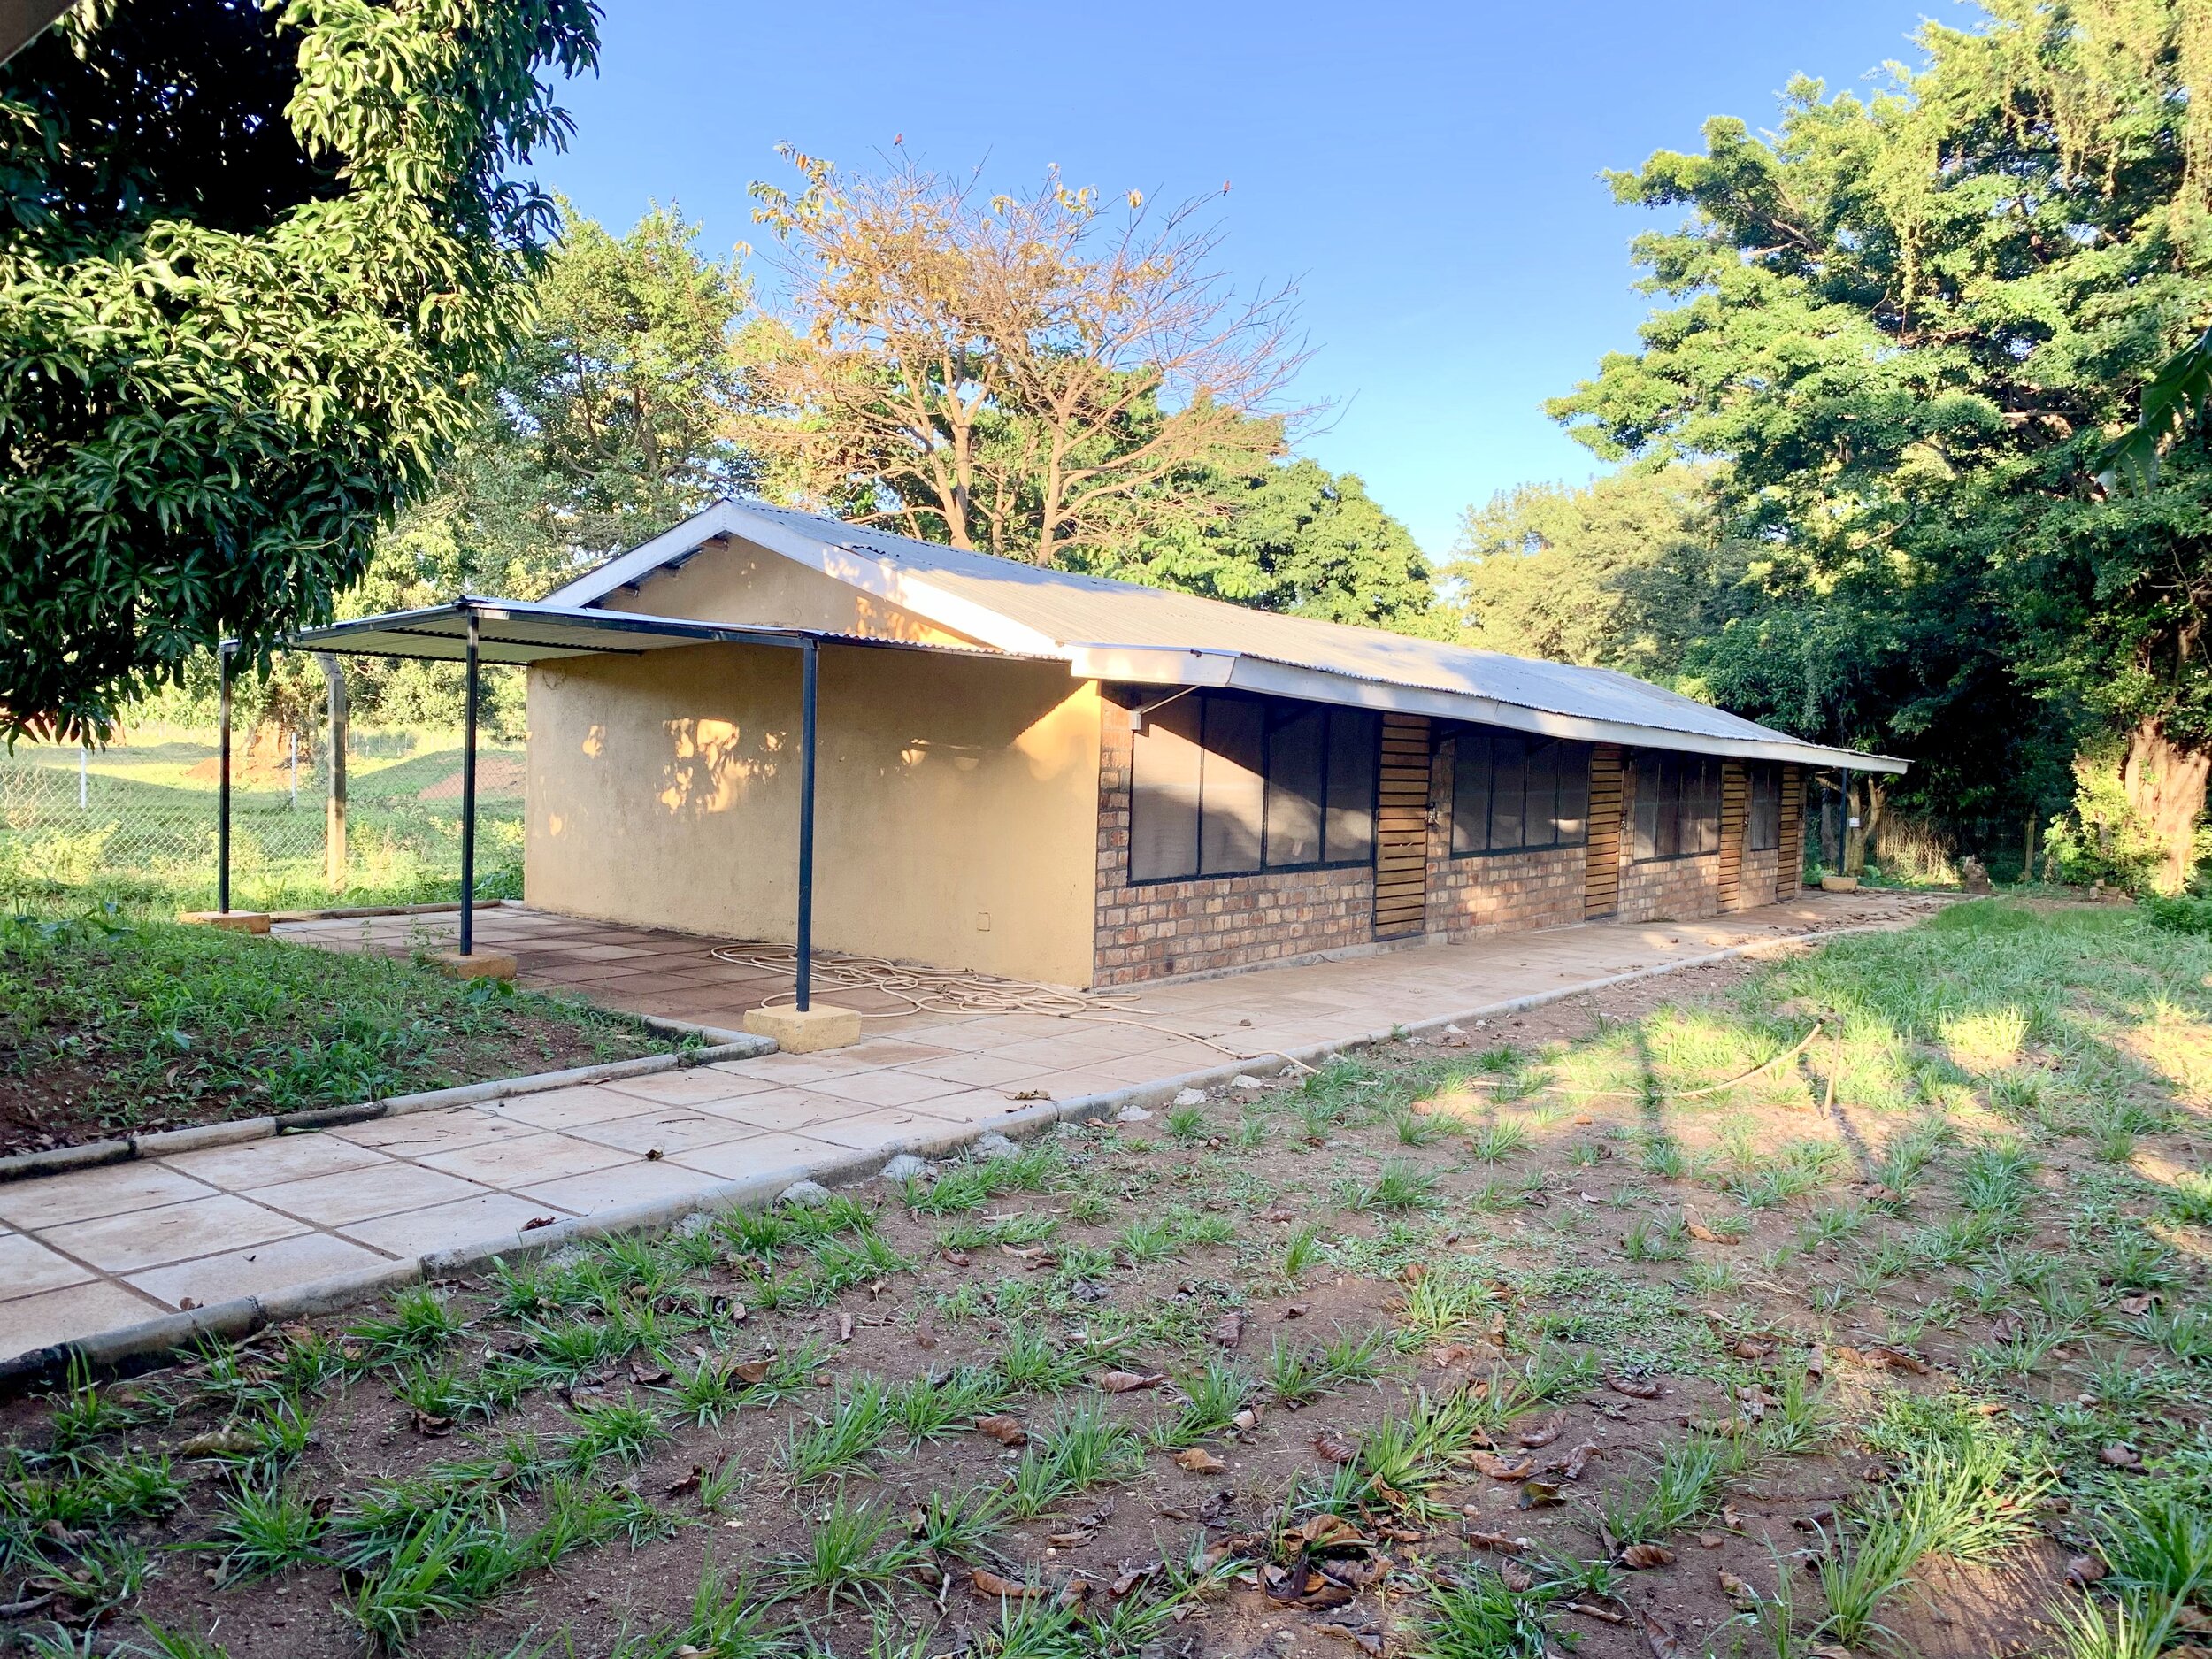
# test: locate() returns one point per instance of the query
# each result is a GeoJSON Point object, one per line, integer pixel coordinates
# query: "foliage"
{"type": "Point", "coordinates": [1290, 536]}
{"type": "Point", "coordinates": [244, 320]}
{"type": "Point", "coordinates": [163, 1024]}
{"type": "Point", "coordinates": [1905, 322]}
{"type": "Point", "coordinates": [1626, 573]}
{"type": "Point", "coordinates": [2101, 837]}
{"type": "Point", "coordinates": [1017, 374]}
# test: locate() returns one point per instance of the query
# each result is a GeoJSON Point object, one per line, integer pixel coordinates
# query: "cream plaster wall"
{"type": "Point", "coordinates": [956, 798]}
{"type": "Point", "coordinates": [730, 581]}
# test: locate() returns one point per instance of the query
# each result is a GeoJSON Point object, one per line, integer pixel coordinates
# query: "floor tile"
{"type": "Point", "coordinates": [891, 1130]}
{"type": "Point", "coordinates": [413, 1134]}
{"type": "Point", "coordinates": [690, 1086]}
{"type": "Point", "coordinates": [978, 1071]}
{"type": "Point", "coordinates": [27, 1267]}
{"type": "Point", "coordinates": [527, 1160]}
{"type": "Point", "coordinates": [785, 1071]}
{"type": "Point", "coordinates": [783, 1108]}
{"type": "Point", "coordinates": [329, 1201]}
{"type": "Point", "coordinates": [280, 1265]}
{"type": "Point", "coordinates": [481, 1220]}
{"type": "Point", "coordinates": [667, 1129]}
{"type": "Point", "coordinates": [61, 1316]}
{"type": "Point", "coordinates": [148, 1238]}
{"type": "Point", "coordinates": [758, 1155]}
{"type": "Point", "coordinates": [887, 1088]}
{"type": "Point", "coordinates": [602, 1190]}
{"type": "Point", "coordinates": [55, 1200]}
{"type": "Point", "coordinates": [278, 1158]}
{"type": "Point", "coordinates": [566, 1108]}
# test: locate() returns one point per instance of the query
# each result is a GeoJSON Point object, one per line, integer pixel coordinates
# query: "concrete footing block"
{"type": "Point", "coordinates": [478, 964]}
{"type": "Point", "coordinates": [229, 921]}
{"type": "Point", "coordinates": [821, 1026]}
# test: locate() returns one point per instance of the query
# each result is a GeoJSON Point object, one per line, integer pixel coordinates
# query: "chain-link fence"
{"type": "Point", "coordinates": [135, 822]}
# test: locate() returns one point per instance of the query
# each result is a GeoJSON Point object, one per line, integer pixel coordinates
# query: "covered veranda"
{"type": "Point", "coordinates": [475, 632]}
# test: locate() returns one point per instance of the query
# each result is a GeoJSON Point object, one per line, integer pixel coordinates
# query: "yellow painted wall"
{"type": "Point", "coordinates": [733, 581]}
{"type": "Point", "coordinates": [663, 792]}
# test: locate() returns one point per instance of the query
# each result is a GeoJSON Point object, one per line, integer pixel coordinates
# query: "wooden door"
{"type": "Point", "coordinates": [1601, 875]}
{"type": "Point", "coordinates": [1789, 859]}
{"type": "Point", "coordinates": [1401, 828]}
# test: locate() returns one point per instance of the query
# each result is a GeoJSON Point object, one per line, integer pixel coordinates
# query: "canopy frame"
{"type": "Point", "coordinates": [473, 631]}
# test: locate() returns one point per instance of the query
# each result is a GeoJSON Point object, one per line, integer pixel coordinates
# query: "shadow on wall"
{"type": "Point", "coordinates": [708, 768]}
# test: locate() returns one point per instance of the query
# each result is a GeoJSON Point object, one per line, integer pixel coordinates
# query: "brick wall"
{"type": "Point", "coordinates": [1662, 889]}
{"type": "Point", "coordinates": [1759, 871]}
{"type": "Point", "coordinates": [1501, 892]}
{"type": "Point", "coordinates": [1163, 927]}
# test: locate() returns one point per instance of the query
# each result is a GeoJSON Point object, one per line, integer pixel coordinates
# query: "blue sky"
{"type": "Point", "coordinates": [1428, 173]}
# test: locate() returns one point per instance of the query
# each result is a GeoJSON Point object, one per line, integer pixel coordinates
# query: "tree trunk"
{"type": "Point", "coordinates": [2165, 785]}
{"type": "Point", "coordinates": [334, 812]}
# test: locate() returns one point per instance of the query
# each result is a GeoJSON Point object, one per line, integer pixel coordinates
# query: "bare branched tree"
{"type": "Point", "coordinates": [1018, 374]}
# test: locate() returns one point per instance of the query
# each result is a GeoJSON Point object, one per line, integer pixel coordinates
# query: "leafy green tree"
{"type": "Point", "coordinates": [1288, 536]}
{"type": "Point", "coordinates": [1628, 573]}
{"type": "Point", "coordinates": [256, 263]}
{"type": "Point", "coordinates": [1908, 324]}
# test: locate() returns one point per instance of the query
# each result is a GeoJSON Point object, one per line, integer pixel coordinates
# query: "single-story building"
{"type": "Point", "coordinates": [1059, 777]}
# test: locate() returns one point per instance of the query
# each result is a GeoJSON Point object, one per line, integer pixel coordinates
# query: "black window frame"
{"type": "Point", "coordinates": [1467, 740]}
{"type": "Point", "coordinates": [1364, 729]}
{"type": "Point", "coordinates": [1670, 786]}
{"type": "Point", "coordinates": [1762, 807]}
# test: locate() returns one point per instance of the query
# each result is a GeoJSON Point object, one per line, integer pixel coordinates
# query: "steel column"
{"type": "Point", "coordinates": [810, 655]}
{"type": "Point", "coordinates": [468, 801]}
{"type": "Point", "coordinates": [223, 652]}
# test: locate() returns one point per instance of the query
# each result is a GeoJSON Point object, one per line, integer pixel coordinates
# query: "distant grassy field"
{"type": "Point", "coordinates": [134, 825]}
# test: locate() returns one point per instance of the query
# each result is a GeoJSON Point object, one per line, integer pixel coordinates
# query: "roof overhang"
{"type": "Point", "coordinates": [1150, 666]}
{"type": "Point", "coordinates": [521, 632]}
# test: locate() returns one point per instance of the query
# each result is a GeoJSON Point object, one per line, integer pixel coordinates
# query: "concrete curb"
{"type": "Point", "coordinates": [153, 1342]}
{"type": "Point", "coordinates": [721, 1045]}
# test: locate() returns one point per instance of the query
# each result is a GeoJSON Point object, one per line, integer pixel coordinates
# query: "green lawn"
{"type": "Point", "coordinates": [109, 1027]}
{"type": "Point", "coordinates": [1684, 1335]}
{"type": "Point", "coordinates": [134, 826]}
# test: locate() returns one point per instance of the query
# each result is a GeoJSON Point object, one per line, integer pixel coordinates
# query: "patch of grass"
{"type": "Point", "coordinates": [853, 1552]}
{"type": "Point", "coordinates": [1474, 1616]}
{"type": "Point", "coordinates": [1082, 1446]}
{"type": "Point", "coordinates": [859, 1420]}
{"type": "Point", "coordinates": [264, 1532]}
{"type": "Point", "coordinates": [1685, 1487]}
{"type": "Point", "coordinates": [1399, 1185]}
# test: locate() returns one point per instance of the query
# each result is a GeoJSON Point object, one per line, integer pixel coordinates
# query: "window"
{"type": "Point", "coordinates": [1763, 817]}
{"type": "Point", "coordinates": [1678, 806]}
{"type": "Point", "coordinates": [1225, 784]}
{"type": "Point", "coordinates": [1512, 792]}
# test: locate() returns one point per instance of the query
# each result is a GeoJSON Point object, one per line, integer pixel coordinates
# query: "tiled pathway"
{"type": "Point", "coordinates": [99, 1249]}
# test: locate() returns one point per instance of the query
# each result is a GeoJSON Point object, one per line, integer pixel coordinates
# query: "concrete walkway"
{"type": "Point", "coordinates": [97, 1250]}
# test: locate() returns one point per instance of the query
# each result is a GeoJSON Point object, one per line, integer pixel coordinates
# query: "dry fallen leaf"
{"type": "Point", "coordinates": [1514, 1577]}
{"type": "Point", "coordinates": [1545, 1432]}
{"type": "Point", "coordinates": [1634, 1388]}
{"type": "Point", "coordinates": [2084, 1569]}
{"type": "Point", "coordinates": [1005, 1430]}
{"type": "Point", "coordinates": [1665, 1642]}
{"type": "Point", "coordinates": [1122, 1382]}
{"type": "Point", "coordinates": [1588, 1611]}
{"type": "Point", "coordinates": [985, 1582]}
{"type": "Point", "coordinates": [1334, 1447]}
{"type": "Point", "coordinates": [689, 1483]}
{"type": "Point", "coordinates": [2120, 1456]}
{"type": "Point", "coordinates": [1537, 1494]}
{"type": "Point", "coordinates": [1328, 1531]}
{"type": "Point", "coordinates": [218, 1443]}
{"type": "Point", "coordinates": [1570, 1467]}
{"type": "Point", "coordinates": [1897, 1359]}
{"type": "Point", "coordinates": [1645, 1556]}
{"type": "Point", "coordinates": [1229, 1330]}
{"type": "Point", "coordinates": [1498, 1541]}
{"type": "Point", "coordinates": [1704, 1234]}
{"type": "Point", "coordinates": [1368, 1641]}
{"type": "Point", "coordinates": [1498, 1469]}
{"type": "Point", "coordinates": [1198, 1461]}
{"type": "Point", "coordinates": [1736, 1590]}
{"type": "Point", "coordinates": [751, 1371]}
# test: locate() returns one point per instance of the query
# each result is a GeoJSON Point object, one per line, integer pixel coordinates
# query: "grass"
{"type": "Point", "coordinates": [155, 1024]}
{"type": "Point", "coordinates": [1170, 1353]}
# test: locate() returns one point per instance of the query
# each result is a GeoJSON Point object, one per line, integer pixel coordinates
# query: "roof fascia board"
{"type": "Point", "coordinates": [641, 561]}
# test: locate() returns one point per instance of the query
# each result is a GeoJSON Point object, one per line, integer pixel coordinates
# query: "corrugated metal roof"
{"type": "Point", "coordinates": [1119, 630]}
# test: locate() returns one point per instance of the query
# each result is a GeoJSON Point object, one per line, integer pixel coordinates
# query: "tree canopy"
{"type": "Point", "coordinates": [1908, 324]}
{"type": "Point", "coordinates": [255, 264]}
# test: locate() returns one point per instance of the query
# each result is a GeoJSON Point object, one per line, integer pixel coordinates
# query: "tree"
{"type": "Point", "coordinates": [1289, 537]}
{"type": "Point", "coordinates": [1908, 325]}
{"type": "Point", "coordinates": [628, 388]}
{"type": "Point", "coordinates": [1624, 573]}
{"type": "Point", "coordinates": [1014, 373]}
{"type": "Point", "coordinates": [255, 262]}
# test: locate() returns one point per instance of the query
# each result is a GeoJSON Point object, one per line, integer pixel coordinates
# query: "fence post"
{"type": "Point", "coordinates": [334, 809]}
{"type": "Point", "coordinates": [222, 789]}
